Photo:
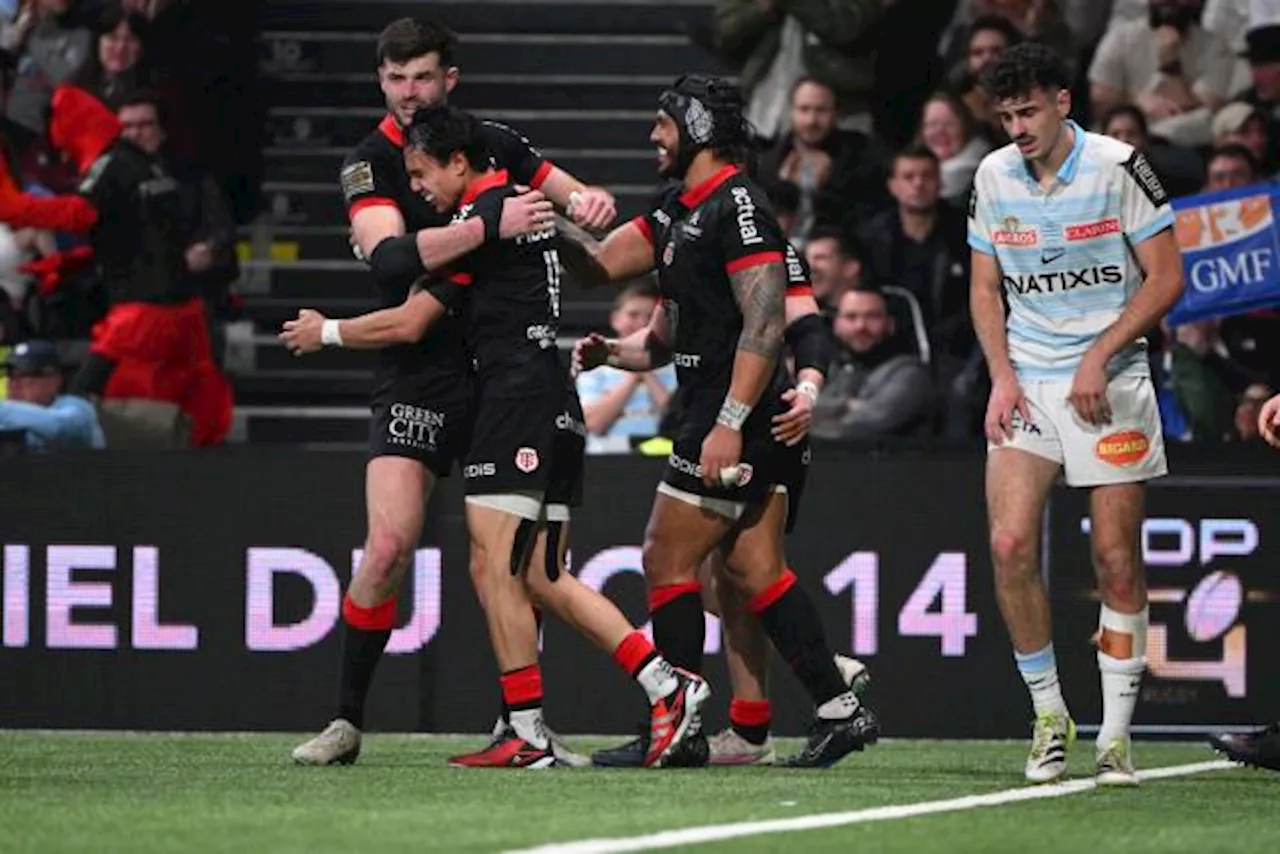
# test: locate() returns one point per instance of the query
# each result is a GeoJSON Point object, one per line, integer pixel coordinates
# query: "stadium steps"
{"type": "Point", "coordinates": [579, 79]}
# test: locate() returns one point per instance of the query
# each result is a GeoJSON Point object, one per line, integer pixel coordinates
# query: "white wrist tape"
{"type": "Point", "coordinates": [809, 390]}
{"type": "Point", "coordinates": [329, 334]}
{"type": "Point", "coordinates": [733, 414]}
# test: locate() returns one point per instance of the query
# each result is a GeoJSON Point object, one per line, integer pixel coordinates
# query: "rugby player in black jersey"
{"type": "Point", "coordinates": [524, 464]}
{"type": "Point", "coordinates": [420, 401]}
{"type": "Point", "coordinates": [721, 259]}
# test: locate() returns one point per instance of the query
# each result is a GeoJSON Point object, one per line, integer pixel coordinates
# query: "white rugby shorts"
{"type": "Point", "coordinates": [1128, 450]}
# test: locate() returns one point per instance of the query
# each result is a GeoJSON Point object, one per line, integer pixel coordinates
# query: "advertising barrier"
{"type": "Point", "coordinates": [185, 591]}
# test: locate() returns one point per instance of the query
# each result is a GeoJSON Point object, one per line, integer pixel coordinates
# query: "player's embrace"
{"type": "Point", "coordinates": [1075, 232]}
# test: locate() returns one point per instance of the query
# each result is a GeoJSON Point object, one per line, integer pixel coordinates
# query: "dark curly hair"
{"type": "Point", "coordinates": [1024, 67]}
{"type": "Point", "coordinates": [444, 130]}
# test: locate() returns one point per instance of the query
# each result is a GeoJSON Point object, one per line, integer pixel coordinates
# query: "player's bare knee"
{"type": "Point", "coordinates": [1014, 555]}
{"type": "Point", "coordinates": [387, 555]}
{"type": "Point", "coordinates": [665, 564]}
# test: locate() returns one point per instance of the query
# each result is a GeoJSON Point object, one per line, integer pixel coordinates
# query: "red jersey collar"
{"type": "Point", "coordinates": [391, 130]}
{"type": "Point", "coordinates": [698, 195]}
{"type": "Point", "coordinates": [479, 185]}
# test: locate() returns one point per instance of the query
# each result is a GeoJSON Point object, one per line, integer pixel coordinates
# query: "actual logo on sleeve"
{"type": "Point", "coordinates": [1122, 449]}
{"type": "Point", "coordinates": [357, 179]}
{"type": "Point", "coordinates": [527, 460]}
{"type": "Point", "coordinates": [1146, 178]}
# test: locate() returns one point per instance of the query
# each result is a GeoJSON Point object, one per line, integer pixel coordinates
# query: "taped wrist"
{"type": "Point", "coordinates": [812, 343]}
{"type": "Point", "coordinates": [396, 259]}
{"type": "Point", "coordinates": [733, 414]}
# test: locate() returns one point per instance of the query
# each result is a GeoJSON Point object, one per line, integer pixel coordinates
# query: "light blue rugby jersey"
{"type": "Point", "coordinates": [1065, 254]}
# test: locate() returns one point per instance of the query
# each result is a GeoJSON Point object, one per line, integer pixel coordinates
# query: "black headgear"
{"type": "Point", "coordinates": [708, 112]}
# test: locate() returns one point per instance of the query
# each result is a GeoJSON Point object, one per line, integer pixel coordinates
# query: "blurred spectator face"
{"type": "Point", "coordinates": [942, 130]}
{"type": "Point", "coordinates": [830, 269]}
{"type": "Point", "coordinates": [38, 388]}
{"type": "Point", "coordinates": [862, 322]}
{"type": "Point", "coordinates": [1266, 79]}
{"type": "Point", "coordinates": [1253, 136]}
{"type": "Point", "coordinates": [420, 82]}
{"type": "Point", "coordinates": [1125, 128]}
{"type": "Point", "coordinates": [813, 113]}
{"type": "Point", "coordinates": [52, 8]}
{"type": "Point", "coordinates": [1226, 172]}
{"type": "Point", "coordinates": [1246, 419]}
{"type": "Point", "coordinates": [632, 316]}
{"type": "Point", "coordinates": [140, 124]}
{"type": "Point", "coordinates": [985, 47]}
{"type": "Point", "coordinates": [916, 183]}
{"type": "Point", "coordinates": [120, 49]}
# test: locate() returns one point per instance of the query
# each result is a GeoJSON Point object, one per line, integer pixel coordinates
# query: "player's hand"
{"type": "Point", "coordinates": [592, 208]}
{"type": "Point", "coordinates": [793, 425]}
{"type": "Point", "coordinates": [303, 335]}
{"type": "Point", "coordinates": [1088, 395]}
{"type": "Point", "coordinates": [528, 213]}
{"type": "Point", "coordinates": [722, 448]}
{"type": "Point", "coordinates": [1006, 398]}
{"type": "Point", "coordinates": [1269, 420]}
{"type": "Point", "coordinates": [590, 353]}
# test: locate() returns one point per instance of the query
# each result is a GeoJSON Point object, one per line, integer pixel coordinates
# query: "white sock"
{"type": "Point", "coordinates": [839, 708]}
{"type": "Point", "coordinates": [1121, 677]}
{"type": "Point", "coordinates": [658, 679]}
{"type": "Point", "coordinates": [1040, 671]}
{"type": "Point", "coordinates": [529, 725]}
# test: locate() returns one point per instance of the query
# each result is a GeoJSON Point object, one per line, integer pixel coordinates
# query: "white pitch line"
{"type": "Point", "coordinates": [718, 832]}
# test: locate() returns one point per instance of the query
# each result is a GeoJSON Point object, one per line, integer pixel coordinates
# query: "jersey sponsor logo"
{"type": "Point", "coordinates": [357, 179]}
{"type": "Point", "coordinates": [1090, 230]}
{"type": "Point", "coordinates": [478, 470]}
{"type": "Point", "coordinates": [1125, 448]}
{"type": "Point", "coordinates": [686, 360]}
{"type": "Point", "coordinates": [1013, 234]}
{"type": "Point", "coordinates": [1064, 280]}
{"type": "Point", "coordinates": [543, 333]}
{"type": "Point", "coordinates": [1017, 422]}
{"type": "Point", "coordinates": [669, 253]}
{"type": "Point", "coordinates": [684, 466]}
{"type": "Point", "coordinates": [527, 460]}
{"type": "Point", "coordinates": [1147, 180]}
{"type": "Point", "coordinates": [565, 421]}
{"type": "Point", "coordinates": [414, 427]}
{"type": "Point", "coordinates": [747, 230]}
{"type": "Point", "coordinates": [795, 270]}
{"type": "Point", "coordinates": [663, 218]}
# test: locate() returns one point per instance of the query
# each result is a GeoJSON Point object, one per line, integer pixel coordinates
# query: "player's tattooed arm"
{"type": "Point", "coordinates": [624, 254]}
{"type": "Point", "coordinates": [761, 294]}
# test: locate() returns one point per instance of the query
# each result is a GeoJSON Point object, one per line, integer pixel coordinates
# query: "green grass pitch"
{"type": "Point", "coordinates": [240, 793]}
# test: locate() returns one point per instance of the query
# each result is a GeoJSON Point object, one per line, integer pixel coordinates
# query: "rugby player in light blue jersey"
{"type": "Point", "coordinates": [1074, 231]}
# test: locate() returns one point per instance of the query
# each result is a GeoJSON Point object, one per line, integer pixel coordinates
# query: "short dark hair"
{"type": "Point", "coordinates": [995, 23]}
{"type": "Point", "coordinates": [813, 81]}
{"type": "Point", "coordinates": [645, 287]}
{"type": "Point", "coordinates": [1236, 151]}
{"type": "Point", "coordinates": [113, 15]}
{"type": "Point", "coordinates": [442, 131]}
{"type": "Point", "coordinates": [783, 195]}
{"type": "Point", "coordinates": [844, 244]}
{"type": "Point", "coordinates": [147, 98]}
{"type": "Point", "coordinates": [1027, 66]}
{"type": "Point", "coordinates": [407, 39]}
{"type": "Point", "coordinates": [1126, 110]}
{"type": "Point", "coordinates": [914, 151]}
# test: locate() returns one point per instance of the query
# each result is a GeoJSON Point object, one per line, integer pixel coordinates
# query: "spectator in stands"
{"type": "Point", "coordinates": [949, 131]}
{"type": "Point", "coordinates": [785, 198]}
{"type": "Point", "coordinates": [37, 406]}
{"type": "Point", "coordinates": [776, 42]}
{"type": "Point", "coordinates": [835, 266]}
{"type": "Point", "coordinates": [619, 405]}
{"type": "Point", "coordinates": [1177, 73]}
{"type": "Point", "coordinates": [1035, 20]}
{"type": "Point", "coordinates": [1206, 380]}
{"type": "Point", "coordinates": [839, 173]}
{"type": "Point", "coordinates": [1241, 123]}
{"type": "Point", "coordinates": [873, 390]}
{"type": "Point", "coordinates": [44, 34]}
{"type": "Point", "coordinates": [206, 216]}
{"type": "Point", "coordinates": [989, 36]}
{"type": "Point", "coordinates": [1231, 166]}
{"type": "Point", "coordinates": [1264, 66]}
{"type": "Point", "coordinates": [1180, 170]}
{"type": "Point", "coordinates": [116, 69]}
{"type": "Point", "coordinates": [921, 246]}
{"type": "Point", "coordinates": [1247, 410]}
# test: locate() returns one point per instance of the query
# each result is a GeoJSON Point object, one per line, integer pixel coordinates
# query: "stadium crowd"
{"type": "Point", "coordinates": [87, 83]}
{"type": "Point", "coordinates": [876, 199]}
